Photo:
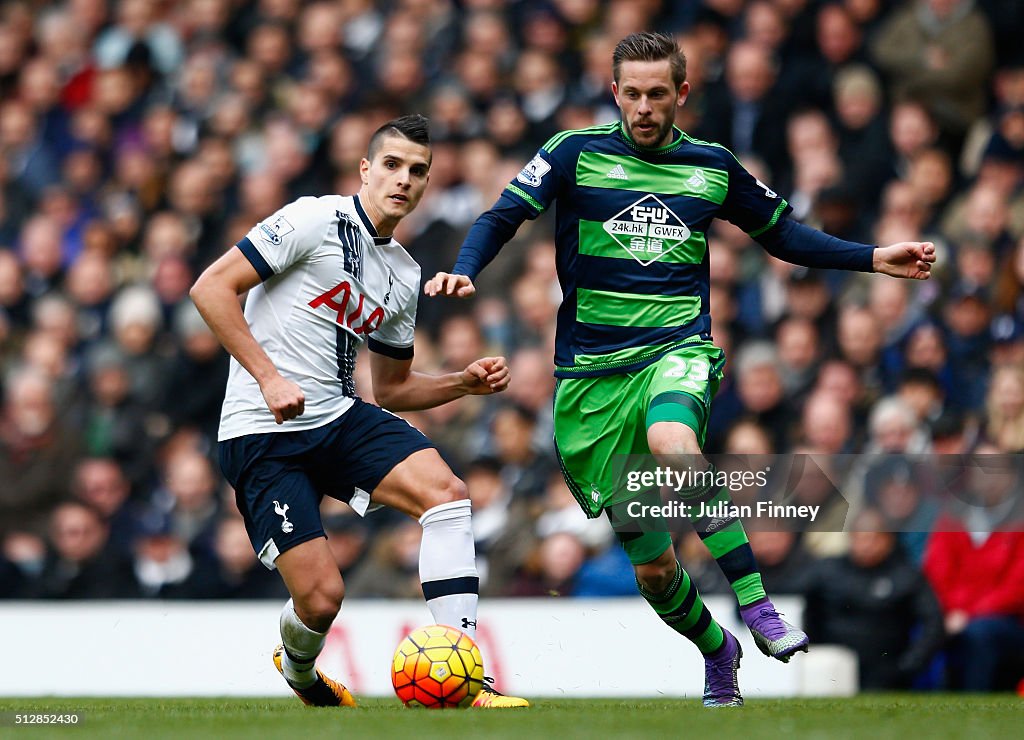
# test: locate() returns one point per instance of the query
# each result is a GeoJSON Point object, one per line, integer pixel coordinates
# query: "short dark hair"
{"type": "Point", "coordinates": [415, 128]}
{"type": "Point", "coordinates": [647, 46]}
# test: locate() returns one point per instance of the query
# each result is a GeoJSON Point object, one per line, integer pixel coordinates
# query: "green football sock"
{"type": "Point", "coordinates": [727, 541]}
{"type": "Point", "coordinates": [681, 608]}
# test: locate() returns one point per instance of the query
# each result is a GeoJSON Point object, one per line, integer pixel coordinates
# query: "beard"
{"type": "Point", "coordinates": [654, 138]}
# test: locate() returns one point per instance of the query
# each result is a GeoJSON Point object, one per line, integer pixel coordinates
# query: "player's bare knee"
{"type": "Point", "coordinates": [453, 490]}
{"type": "Point", "coordinates": [318, 607]}
{"type": "Point", "coordinates": [657, 575]}
{"type": "Point", "coordinates": [672, 438]}
{"type": "Point", "coordinates": [449, 490]}
{"type": "Point", "coordinates": [654, 577]}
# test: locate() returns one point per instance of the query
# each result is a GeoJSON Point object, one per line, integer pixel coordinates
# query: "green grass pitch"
{"type": "Point", "coordinates": [907, 717]}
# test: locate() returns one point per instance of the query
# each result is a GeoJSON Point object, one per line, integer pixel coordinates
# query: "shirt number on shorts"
{"type": "Point", "coordinates": [692, 374]}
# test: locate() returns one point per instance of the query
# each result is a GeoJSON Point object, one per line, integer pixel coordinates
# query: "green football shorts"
{"type": "Point", "coordinates": [599, 420]}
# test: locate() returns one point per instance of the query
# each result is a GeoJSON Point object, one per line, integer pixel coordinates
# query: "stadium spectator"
{"type": "Point", "coordinates": [101, 483]}
{"type": "Point", "coordinates": [90, 284]}
{"type": "Point", "coordinates": [808, 297]}
{"type": "Point", "coordinates": [877, 603]}
{"type": "Point", "coordinates": [912, 129]}
{"type": "Point", "coordinates": [113, 422]}
{"type": "Point", "coordinates": [512, 434]}
{"type": "Point", "coordinates": [501, 524]}
{"type": "Point", "coordinates": [79, 563]}
{"type": "Point", "coordinates": [31, 160]}
{"type": "Point", "coordinates": [748, 114]}
{"type": "Point", "coordinates": [896, 313]}
{"type": "Point", "coordinates": [826, 424]}
{"type": "Point", "coordinates": [785, 563]}
{"type": "Point", "coordinates": [907, 495]}
{"type": "Point", "coordinates": [42, 254]}
{"type": "Point", "coordinates": [37, 450]}
{"type": "Point", "coordinates": [390, 569]}
{"type": "Point", "coordinates": [187, 498]}
{"type": "Point", "coordinates": [895, 429]}
{"type": "Point", "coordinates": [605, 572]}
{"type": "Point", "coordinates": [26, 552]}
{"type": "Point", "coordinates": [799, 350]}
{"type": "Point", "coordinates": [233, 572]}
{"type": "Point", "coordinates": [747, 437]}
{"type": "Point", "coordinates": [760, 390]}
{"type": "Point", "coordinates": [813, 149]}
{"type": "Point", "coordinates": [860, 344]}
{"type": "Point", "coordinates": [162, 561]}
{"type": "Point", "coordinates": [975, 562]}
{"type": "Point", "coordinates": [561, 513]}
{"type": "Point", "coordinates": [926, 349]}
{"type": "Point", "coordinates": [551, 569]}
{"type": "Point", "coordinates": [456, 428]}
{"type": "Point", "coordinates": [12, 579]}
{"type": "Point", "coordinates": [839, 380]}
{"type": "Point", "coordinates": [1004, 408]}
{"type": "Point", "coordinates": [838, 41]}
{"type": "Point", "coordinates": [814, 479]}
{"type": "Point", "coordinates": [981, 214]}
{"type": "Point", "coordinates": [200, 366]}
{"type": "Point", "coordinates": [44, 353]}
{"type": "Point", "coordinates": [14, 303]}
{"type": "Point", "coordinates": [940, 51]}
{"type": "Point", "coordinates": [763, 298]}
{"type": "Point", "coordinates": [348, 536]}
{"type": "Point", "coordinates": [1007, 341]}
{"type": "Point", "coordinates": [136, 322]}
{"type": "Point", "coordinates": [921, 390]}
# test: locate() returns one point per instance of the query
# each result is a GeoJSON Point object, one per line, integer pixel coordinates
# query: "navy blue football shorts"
{"type": "Point", "coordinates": [280, 477]}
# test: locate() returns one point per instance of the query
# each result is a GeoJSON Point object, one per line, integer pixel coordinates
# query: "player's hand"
{"type": "Point", "coordinates": [911, 260]}
{"type": "Point", "coordinates": [284, 398]}
{"type": "Point", "coordinates": [485, 376]}
{"type": "Point", "coordinates": [448, 284]}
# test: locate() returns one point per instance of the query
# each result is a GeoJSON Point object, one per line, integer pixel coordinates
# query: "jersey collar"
{"type": "Point", "coordinates": [677, 139]}
{"type": "Point", "coordinates": [368, 224]}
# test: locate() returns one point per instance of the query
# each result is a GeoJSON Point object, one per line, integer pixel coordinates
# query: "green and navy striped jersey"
{"type": "Point", "coordinates": [632, 250]}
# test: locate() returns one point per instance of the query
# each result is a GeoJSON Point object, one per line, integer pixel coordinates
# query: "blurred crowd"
{"type": "Point", "coordinates": [139, 139]}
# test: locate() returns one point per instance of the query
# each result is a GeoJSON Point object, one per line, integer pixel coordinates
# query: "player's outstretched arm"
{"type": "Point", "coordinates": [215, 294]}
{"type": "Point", "coordinates": [397, 388]}
{"type": "Point", "coordinates": [912, 260]}
{"type": "Point", "coordinates": [445, 283]}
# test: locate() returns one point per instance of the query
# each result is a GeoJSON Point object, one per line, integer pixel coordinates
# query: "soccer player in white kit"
{"type": "Point", "coordinates": [324, 274]}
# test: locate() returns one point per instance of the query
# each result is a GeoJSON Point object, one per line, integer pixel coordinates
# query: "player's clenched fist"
{"type": "Point", "coordinates": [447, 284]}
{"type": "Point", "coordinates": [284, 398]}
{"type": "Point", "coordinates": [486, 375]}
{"type": "Point", "coordinates": [912, 260]}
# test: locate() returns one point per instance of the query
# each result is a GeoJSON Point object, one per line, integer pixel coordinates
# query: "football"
{"type": "Point", "coordinates": [437, 667]}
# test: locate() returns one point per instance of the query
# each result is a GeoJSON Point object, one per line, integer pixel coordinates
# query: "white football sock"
{"type": "Point", "coordinates": [448, 572]}
{"type": "Point", "coordinates": [301, 647]}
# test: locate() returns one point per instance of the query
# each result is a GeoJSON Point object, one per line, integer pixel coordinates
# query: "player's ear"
{"type": "Point", "coordinates": [615, 91]}
{"type": "Point", "coordinates": [684, 91]}
{"type": "Point", "coordinates": [364, 167]}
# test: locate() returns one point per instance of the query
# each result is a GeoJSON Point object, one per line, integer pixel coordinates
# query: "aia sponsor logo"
{"type": "Point", "coordinates": [348, 307]}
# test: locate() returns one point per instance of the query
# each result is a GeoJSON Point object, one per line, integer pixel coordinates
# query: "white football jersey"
{"type": "Point", "coordinates": [329, 283]}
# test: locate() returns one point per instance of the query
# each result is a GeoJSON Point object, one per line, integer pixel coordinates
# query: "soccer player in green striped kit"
{"type": "Point", "coordinates": [634, 357]}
